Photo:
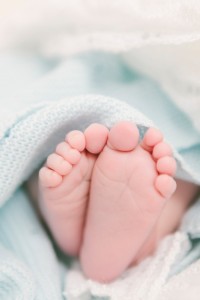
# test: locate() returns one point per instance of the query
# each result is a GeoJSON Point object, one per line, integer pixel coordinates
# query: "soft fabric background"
{"type": "Point", "coordinates": [163, 38]}
{"type": "Point", "coordinates": [37, 39]}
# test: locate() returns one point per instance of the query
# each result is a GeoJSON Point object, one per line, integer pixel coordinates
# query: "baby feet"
{"type": "Point", "coordinates": [130, 184]}
{"type": "Point", "coordinates": [65, 183]}
{"type": "Point", "coordinates": [127, 183]}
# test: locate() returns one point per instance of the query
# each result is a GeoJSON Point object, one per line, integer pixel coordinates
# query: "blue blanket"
{"type": "Point", "coordinates": [41, 101]}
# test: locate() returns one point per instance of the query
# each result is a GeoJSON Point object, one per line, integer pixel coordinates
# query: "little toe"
{"type": "Point", "coordinates": [165, 185]}
{"type": "Point", "coordinates": [69, 154]}
{"type": "Point", "coordinates": [76, 139]}
{"type": "Point", "coordinates": [166, 165]}
{"type": "Point", "coordinates": [96, 137]}
{"type": "Point", "coordinates": [49, 178]}
{"type": "Point", "coordinates": [123, 136]}
{"type": "Point", "coordinates": [58, 164]}
{"type": "Point", "coordinates": [151, 138]}
{"type": "Point", "coordinates": [161, 149]}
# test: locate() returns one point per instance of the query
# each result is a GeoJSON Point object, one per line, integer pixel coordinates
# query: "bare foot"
{"type": "Point", "coordinates": [170, 218]}
{"type": "Point", "coordinates": [64, 184]}
{"type": "Point", "coordinates": [130, 185]}
{"type": "Point", "coordinates": [131, 182]}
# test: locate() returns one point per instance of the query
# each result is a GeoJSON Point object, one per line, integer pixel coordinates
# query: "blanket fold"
{"type": "Point", "coordinates": [28, 265]}
{"type": "Point", "coordinates": [31, 132]}
{"type": "Point", "coordinates": [45, 92]}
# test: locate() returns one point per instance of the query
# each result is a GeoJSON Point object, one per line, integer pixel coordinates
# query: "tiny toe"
{"type": "Point", "coordinates": [166, 185]}
{"type": "Point", "coordinates": [49, 178]}
{"type": "Point", "coordinates": [161, 149]}
{"type": "Point", "coordinates": [69, 154]}
{"type": "Point", "coordinates": [96, 137]}
{"type": "Point", "coordinates": [123, 136]}
{"type": "Point", "coordinates": [152, 137]}
{"type": "Point", "coordinates": [73, 156]}
{"type": "Point", "coordinates": [166, 165]}
{"type": "Point", "coordinates": [76, 139]}
{"type": "Point", "coordinates": [58, 164]}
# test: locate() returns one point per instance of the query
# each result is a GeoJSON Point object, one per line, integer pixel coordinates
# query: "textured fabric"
{"type": "Point", "coordinates": [36, 125]}
{"type": "Point", "coordinates": [163, 43]}
{"type": "Point", "coordinates": [28, 265]}
{"type": "Point", "coordinates": [30, 130]}
{"type": "Point", "coordinates": [163, 38]}
{"type": "Point", "coordinates": [145, 281]}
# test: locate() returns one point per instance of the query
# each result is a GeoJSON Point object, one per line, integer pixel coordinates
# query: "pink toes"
{"type": "Point", "coordinates": [96, 137]}
{"type": "Point", "coordinates": [49, 178]}
{"type": "Point", "coordinates": [58, 164]}
{"type": "Point", "coordinates": [161, 149]}
{"type": "Point", "coordinates": [166, 185]}
{"type": "Point", "coordinates": [123, 136]}
{"type": "Point", "coordinates": [76, 139]}
{"type": "Point", "coordinates": [151, 138]}
{"type": "Point", "coordinates": [69, 154]}
{"type": "Point", "coordinates": [166, 165]}
{"type": "Point", "coordinates": [56, 167]}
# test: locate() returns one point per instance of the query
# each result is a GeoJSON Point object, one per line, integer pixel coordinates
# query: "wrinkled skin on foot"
{"type": "Point", "coordinates": [101, 193]}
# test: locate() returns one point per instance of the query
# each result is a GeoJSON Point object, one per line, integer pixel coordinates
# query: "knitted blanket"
{"type": "Point", "coordinates": [51, 96]}
{"type": "Point", "coordinates": [29, 265]}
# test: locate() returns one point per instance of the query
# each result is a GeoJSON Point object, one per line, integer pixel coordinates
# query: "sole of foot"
{"type": "Point", "coordinates": [64, 185]}
{"type": "Point", "coordinates": [131, 183]}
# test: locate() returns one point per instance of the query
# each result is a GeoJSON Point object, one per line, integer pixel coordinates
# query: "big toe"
{"type": "Point", "coordinates": [123, 136]}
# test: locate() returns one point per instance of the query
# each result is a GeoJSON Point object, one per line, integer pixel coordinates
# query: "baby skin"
{"type": "Point", "coordinates": [108, 197]}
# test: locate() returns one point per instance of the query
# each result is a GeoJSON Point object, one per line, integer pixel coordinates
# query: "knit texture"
{"type": "Point", "coordinates": [163, 44]}
{"type": "Point", "coordinates": [30, 130]}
